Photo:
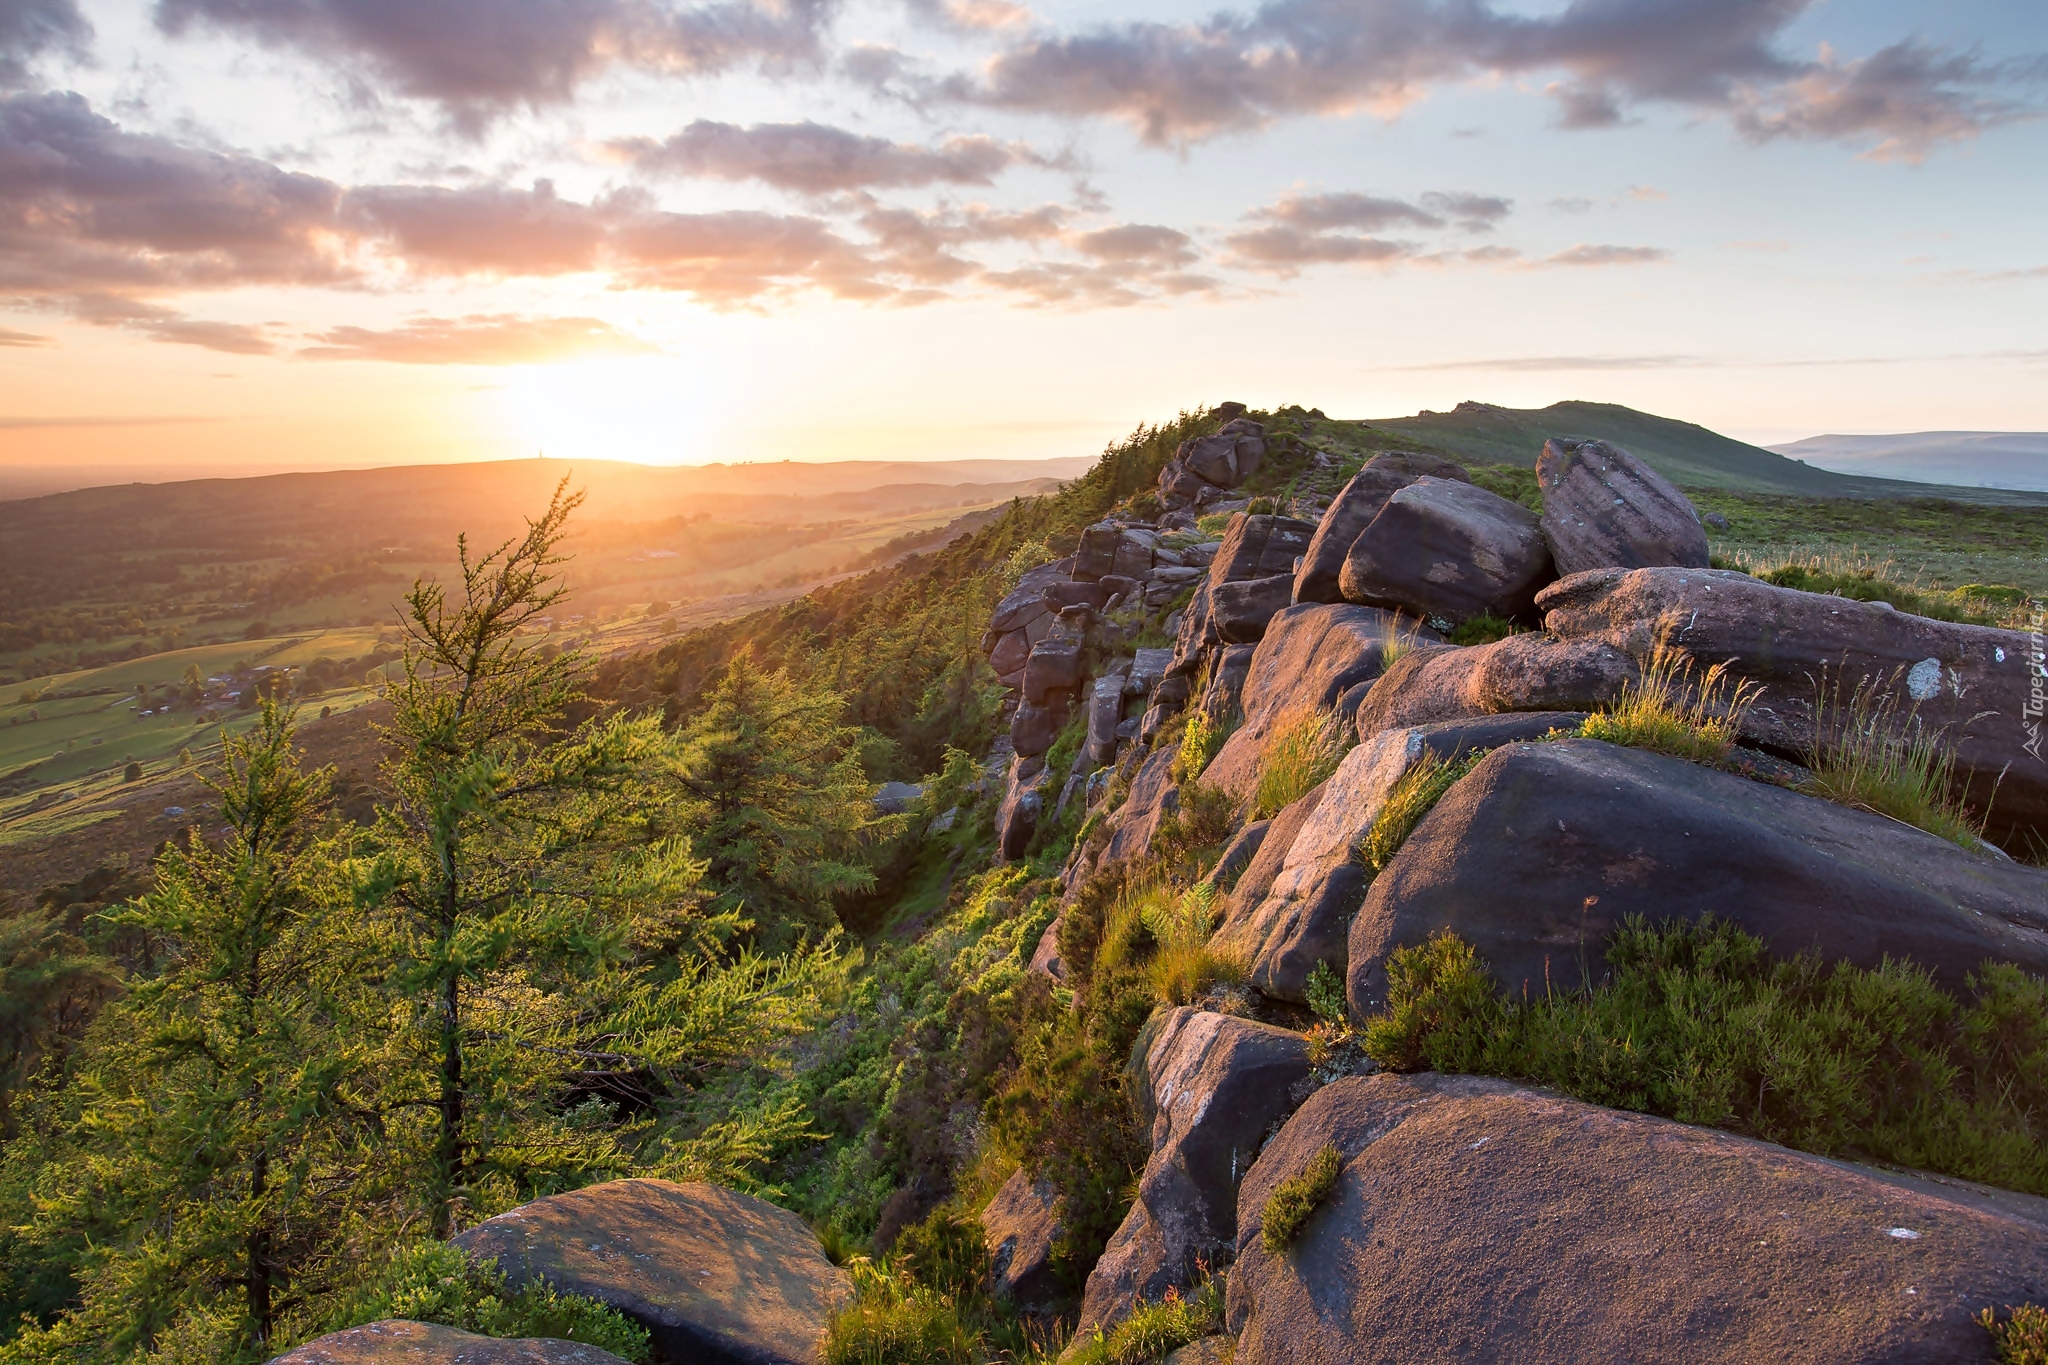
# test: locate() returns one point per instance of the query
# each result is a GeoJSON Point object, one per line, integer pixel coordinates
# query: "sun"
{"type": "Point", "coordinates": [647, 409]}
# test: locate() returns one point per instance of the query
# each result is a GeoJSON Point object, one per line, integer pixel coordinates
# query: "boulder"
{"type": "Point", "coordinates": [1012, 648]}
{"type": "Point", "coordinates": [1153, 797]}
{"type": "Point", "coordinates": [1542, 851]}
{"type": "Point", "coordinates": [712, 1275]}
{"type": "Point", "coordinates": [1604, 508]}
{"type": "Point", "coordinates": [1022, 1222]}
{"type": "Point", "coordinates": [1027, 600]}
{"type": "Point", "coordinates": [1478, 1220]}
{"type": "Point", "coordinates": [1303, 915]}
{"type": "Point", "coordinates": [1216, 1350]}
{"type": "Point", "coordinates": [1322, 563]}
{"type": "Point", "coordinates": [1237, 856]}
{"type": "Point", "coordinates": [1022, 805]}
{"type": "Point", "coordinates": [1105, 714]}
{"type": "Point", "coordinates": [1265, 863]}
{"type": "Point", "coordinates": [1449, 551]}
{"type": "Point", "coordinates": [1213, 1085]}
{"type": "Point", "coordinates": [1259, 547]}
{"type": "Point", "coordinates": [1045, 960]}
{"type": "Point", "coordinates": [1242, 609]}
{"type": "Point", "coordinates": [1530, 672]}
{"type": "Point", "coordinates": [1148, 666]}
{"type": "Point", "coordinates": [1034, 728]}
{"type": "Point", "coordinates": [1096, 555]}
{"type": "Point", "coordinates": [1227, 457]}
{"type": "Point", "coordinates": [399, 1342]}
{"type": "Point", "coordinates": [1972, 683]}
{"type": "Point", "coordinates": [1311, 656]}
{"type": "Point", "coordinates": [1134, 554]}
{"type": "Point", "coordinates": [1181, 487]}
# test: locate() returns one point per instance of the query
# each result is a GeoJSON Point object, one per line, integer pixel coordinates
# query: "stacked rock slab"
{"type": "Point", "coordinates": [1541, 853]}
{"type": "Point", "coordinates": [1603, 508]}
{"type": "Point", "coordinates": [1529, 672]}
{"type": "Point", "coordinates": [1021, 1223]}
{"type": "Point", "coordinates": [399, 1342]}
{"type": "Point", "coordinates": [1256, 550]}
{"type": "Point", "coordinates": [1322, 564]}
{"type": "Point", "coordinates": [1214, 1086]}
{"type": "Point", "coordinates": [1973, 685]}
{"type": "Point", "coordinates": [1449, 551]}
{"type": "Point", "coordinates": [713, 1276]}
{"type": "Point", "coordinates": [1203, 467]}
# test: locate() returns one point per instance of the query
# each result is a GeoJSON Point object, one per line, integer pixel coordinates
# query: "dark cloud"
{"type": "Point", "coordinates": [1284, 250]}
{"type": "Point", "coordinates": [1238, 71]}
{"type": "Point", "coordinates": [812, 158]}
{"type": "Point", "coordinates": [1903, 101]}
{"type": "Point", "coordinates": [1585, 255]}
{"type": "Point", "coordinates": [1336, 229]}
{"type": "Point", "coordinates": [481, 58]}
{"type": "Point", "coordinates": [480, 339]}
{"type": "Point", "coordinates": [1138, 243]}
{"type": "Point", "coordinates": [29, 28]}
{"type": "Point", "coordinates": [85, 207]}
{"type": "Point", "coordinates": [10, 337]}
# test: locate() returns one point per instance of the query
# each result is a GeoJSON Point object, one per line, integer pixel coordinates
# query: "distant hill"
{"type": "Point", "coordinates": [1684, 452]}
{"type": "Point", "coordinates": [1987, 459]}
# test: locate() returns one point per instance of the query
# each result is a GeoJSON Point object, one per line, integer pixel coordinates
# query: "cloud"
{"type": "Point", "coordinates": [480, 339]}
{"type": "Point", "coordinates": [479, 59]}
{"type": "Point", "coordinates": [10, 337]}
{"type": "Point", "coordinates": [969, 16]}
{"type": "Point", "coordinates": [811, 158]}
{"type": "Point", "coordinates": [1586, 255]}
{"type": "Point", "coordinates": [29, 28]}
{"type": "Point", "coordinates": [1545, 363]}
{"type": "Point", "coordinates": [87, 207]}
{"type": "Point", "coordinates": [484, 229]}
{"type": "Point", "coordinates": [1237, 71]}
{"type": "Point", "coordinates": [1903, 101]}
{"type": "Point", "coordinates": [166, 324]}
{"type": "Point", "coordinates": [1336, 229]}
{"type": "Point", "coordinates": [1137, 244]}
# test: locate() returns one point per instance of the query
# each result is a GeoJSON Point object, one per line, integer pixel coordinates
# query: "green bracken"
{"type": "Point", "coordinates": [1295, 1198]}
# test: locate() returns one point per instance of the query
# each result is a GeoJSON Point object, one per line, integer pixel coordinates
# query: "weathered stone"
{"type": "Point", "coordinates": [1322, 563]}
{"type": "Point", "coordinates": [1237, 855]}
{"type": "Point", "coordinates": [399, 1342]}
{"type": "Point", "coordinates": [1214, 1350]}
{"type": "Point", "coordinates": [1045, 959]}
{"type": "Point", "coordinates": [1064, 595]}
{"type": "Point", "coordinates": [1418, 466]}
{"type": "Point", "coordinates": [1243, 608]}
{"type": "Point", "coordinates": [1265, 864]}
{"type": "Point", "coordinates": [1222, 699]}
{"type": "Point", "coordinates": [1022, 806]}
{"type": "Point", "coordinates": [1134, 554]}
{"type": "Point", "coordinates": [1973, 685]}
{"type": "Point", "coordinates": [1531, 672]}
{"type": "Point", "coordinates": [1013, 647]}
{"type": "Point", "coordinates": [1604, 508]}
{"type": "Point", "coordinates": [1105, 713]}
{"type": "Point", "coordinates": [1476, 1220]}
{"type": "Point", "coordinates": [1153, 797]}
{"type": "Point", "coordinates": [1097, 553]}
{"type": "Point", "coordinates": [1027, 599]}
{"type": "Point", "coordinates": [1259, 547]}
{"type": "Point", "coordinates": [1440, 549]}
{"type": "Point", "coordinates": [1539, 854]}
{"type": "Point", "coordinates": [1022, 1222]}
{"type": "Point", "coordinates": [1148, 666]}
{"type": "Point", "coordinates": [1054, 665]}
{"type": "Point", "coordinates": [894, 798]}
{"type": "Point", "coordinates": [1310, 657]}
{"type": "Point", "coordinates": [1034, 728]}
{"type": "Point", "coordinates": [1305, 914]}
{"type": "Point", "coordinates": [1227, 457]}
{"type": "Point", "coordinates": [1213, 1087]}
{"type": "Point", "coordinates": [712, 1275]}
{"type": "Point", "coordinates": [1180, 486]}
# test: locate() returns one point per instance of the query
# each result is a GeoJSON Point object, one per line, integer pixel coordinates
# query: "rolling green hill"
{"type": "Point", "coordinates": [1684, 452]}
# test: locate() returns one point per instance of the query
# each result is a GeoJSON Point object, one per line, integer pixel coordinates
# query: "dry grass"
{"type": "Point", "coordinates": [1413, 797]}
{"type": "Point", "coordinates": [1876, 757]}
{"type": "Point", "coordinates": [1669, 711]}
{"type": "Point", "coordinates": [1305, 747]}
{"type": "Point", "coordinates": [1184, 966]}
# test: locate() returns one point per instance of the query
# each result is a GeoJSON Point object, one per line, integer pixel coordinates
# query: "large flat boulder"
{"type": "Point", "coordinates": [1034, 727]}
{"type": "Point", "coordinates": [1214, 1086]}
{"type": "Point", "coordinates": [1538, 855]}
{"type": "Point", "coordinates": [1028, 601]}
{"type": "Point", "coordinates": [399, 1342]}
{"type": "Point", "coordinates": [1477, 1220]}
{"type": "Point", "coordinates": [1270, 857]}
{"type": "Point", "coordinates": [1021, 1222]}
{"type": "Point", "coordinates": [1531, 672]}
{"type": "Point", "coordinates": [1604, 508]}
{"type": "Point", "coordinates": [1311, 656]}
{"type": "Point", "coordinates": [1242, 609]}
{"type": "Point", "coordinates": [1450, 551]}
{"type": "Point", "coordinates": [713, 1275]}
{"type": "Point", "coordinates": [1352, 510]}
{"type": "Point", "coordinates": [1971, 683]}
{"type": "Point", "coordinates": [1304, 915]}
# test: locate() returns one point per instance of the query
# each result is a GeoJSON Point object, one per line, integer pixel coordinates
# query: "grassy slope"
{"type": "Point", "coordinates": [1684, 452]}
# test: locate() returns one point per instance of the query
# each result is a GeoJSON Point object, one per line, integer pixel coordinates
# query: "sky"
{"type": "Point", "coordinates": [255, 235]}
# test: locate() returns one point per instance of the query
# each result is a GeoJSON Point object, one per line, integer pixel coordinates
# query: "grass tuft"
{"type": "Point", "coordinates": [1699, 1023]}
{"type": "Point", "coordinates": [1199, 742]}
{"type": "Point", "coordinates": [1666, 711]}
{"type": "Point", "coordinates": [1875, 758]}
{"type": "Point", "coordinates": [1155, 1331]}
{"type": "Point", "coordinates": [2022, 1339]}
{"type": "Point", "coordinates": [1295, 1198]}
{"type": "Point", "coordinates": [1413, 797]}
{"type": "Point", "coordinates": [893, 1320]}
{"type": "Point", "coordinates": [1305, 747]}
{"type": "Point", "coordinates": [1184, 967]}
{"type": "Point", "coordinates": [1483, 630]}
